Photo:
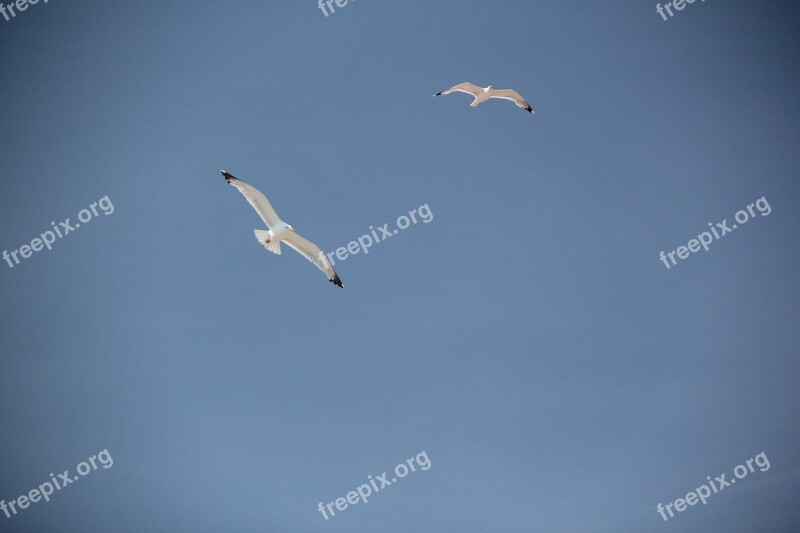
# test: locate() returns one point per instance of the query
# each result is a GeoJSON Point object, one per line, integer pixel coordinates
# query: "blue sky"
{"type": "Point", "coordinates": [528, 339]}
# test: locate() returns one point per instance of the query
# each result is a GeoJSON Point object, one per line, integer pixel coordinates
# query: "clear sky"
{"type": "Point", "coordinates": [528, 339]}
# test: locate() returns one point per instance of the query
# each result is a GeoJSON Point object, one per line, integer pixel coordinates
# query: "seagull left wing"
{"type": "Point", "coordinates": [467, 87]}
{"type": "Point", "coordinates": [310, 251]}
{"type": "Point", "coordinates": [256, 199]}
{"type": "Point", "coordinates": [514, 96]}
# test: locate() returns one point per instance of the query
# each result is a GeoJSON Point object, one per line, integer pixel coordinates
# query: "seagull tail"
{"type": "Point", "coordinates": [263, 236]}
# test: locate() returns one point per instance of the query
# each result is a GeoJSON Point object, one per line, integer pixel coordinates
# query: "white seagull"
{"type": "Point", "coordinates": [279, 231]}
{"type": "Point", "coordinates": [482, 95]}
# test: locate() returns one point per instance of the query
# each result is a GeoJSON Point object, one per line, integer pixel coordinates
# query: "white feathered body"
{"type": "Point", "coordinates": [481, 97]}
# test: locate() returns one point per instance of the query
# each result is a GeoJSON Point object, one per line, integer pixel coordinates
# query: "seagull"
{"type": "Point", "coordinates": [279, 231]}
{"type": "Point", "coordinates": [482, 94]}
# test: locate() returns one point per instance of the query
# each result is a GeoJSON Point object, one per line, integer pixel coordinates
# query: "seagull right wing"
{"type": "Point", "coordinates": [514, 96]}
{"type": "Point", "coordinates": [468, 88]}
{"type": "Point", "coordinates": [310, 251]}
{"type": "Point", "coordinates": [256, 199]}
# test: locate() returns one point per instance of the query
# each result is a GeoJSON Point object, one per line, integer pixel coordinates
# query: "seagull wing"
{"type": "Point", "coordinates": [514, 96]}
{"type": "Point", "coordinates": [468, 88]}
{"type": "Point", "coordinates": [310, 251]}
{"type": "Point", "coordinates": [256, 199]}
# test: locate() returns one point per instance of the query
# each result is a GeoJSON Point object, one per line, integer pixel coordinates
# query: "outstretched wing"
{"type": "Point", "coordinates": [514, 96]}
{"type": "Point", "coordinates": [467, 87]}
{"type": "Point", "coordinates": [256, 199]}
{"type": "Point", "coordinates": [310, 251]}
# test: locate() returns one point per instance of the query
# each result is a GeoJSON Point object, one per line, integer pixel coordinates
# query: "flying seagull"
{"type": "Point", "coordinates": [484, 94]}
{"type": "Point", "coordinates": [279, 231]}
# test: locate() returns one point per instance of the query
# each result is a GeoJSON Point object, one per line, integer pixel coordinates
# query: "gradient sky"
{"type": "Point", "coordinates": [528, 339]}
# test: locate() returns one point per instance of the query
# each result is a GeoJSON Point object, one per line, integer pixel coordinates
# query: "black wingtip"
{"type": "Point", "coordinates": [529, 109]}
{"type": "Point", "coordinates": [228, 176]}
{"type": "Point", "coordinates": [336, 281]}
{"type": "Point", "coordinates": [438, 94]}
